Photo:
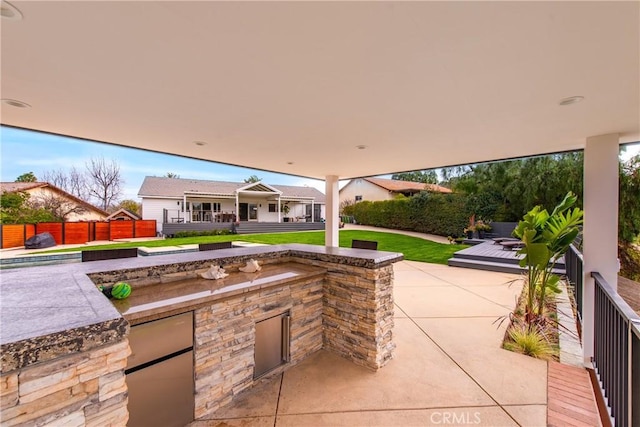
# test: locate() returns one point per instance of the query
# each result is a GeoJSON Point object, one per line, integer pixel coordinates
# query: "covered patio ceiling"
{"type": "Point", "coordinates": [326, 88]}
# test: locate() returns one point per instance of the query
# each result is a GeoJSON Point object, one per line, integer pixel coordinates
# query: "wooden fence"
{"type": "Point", "coordinates": [65, 233]}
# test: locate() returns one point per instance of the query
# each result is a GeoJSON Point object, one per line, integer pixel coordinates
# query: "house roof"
{"type": "Point", "coordinates": [14, 187]}
{"type": "Point", "coordinates": [398, 186]}
{"type": "Point", "coordinates": [154, 186]}
{"type": "Point", "coordinates": [125, 212]}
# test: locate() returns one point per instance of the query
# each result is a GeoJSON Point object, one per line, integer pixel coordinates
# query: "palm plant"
{"type": "Point", "coordinates": [547, 238]}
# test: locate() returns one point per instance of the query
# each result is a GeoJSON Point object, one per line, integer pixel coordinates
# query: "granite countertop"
{"type": "Point", "coordinates": [49, 310]}
{"type": "Point", "coordinates": [181, 295]}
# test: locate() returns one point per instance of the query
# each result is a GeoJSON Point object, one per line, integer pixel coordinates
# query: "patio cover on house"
{"type": "Point", "coordinates": [333, 90]}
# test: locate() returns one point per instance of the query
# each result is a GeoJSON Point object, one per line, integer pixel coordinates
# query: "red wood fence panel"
{"type": "Point", "coordinates": [12, 235]}
{"type": "Point", "coordinates": [121, 230]}
{"type": "Point", "coordinates": [76, 232]}
{"type": "Point", "coordinates": [145, 228]}
{"type": "Point", "coordinates": [29, 230]}
{"type": "Point", "coordinates": [54, 228]}
{"type": "Point", "coordinates": [102, 231]}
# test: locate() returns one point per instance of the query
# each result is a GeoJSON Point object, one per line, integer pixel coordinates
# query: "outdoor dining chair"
{"type": "Point", "coordinates": [364, 244]}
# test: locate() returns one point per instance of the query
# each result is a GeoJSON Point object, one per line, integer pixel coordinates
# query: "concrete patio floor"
{"type": "Point", "coordinates": [448, 367]}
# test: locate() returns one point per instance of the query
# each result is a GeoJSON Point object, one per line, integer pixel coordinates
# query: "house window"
{"type": "Point", "coordinates": [358, 198]}
{"type": "Point", "coordinates": [217, 207]}
{"type": "Point", "coordinates": [273, 207]}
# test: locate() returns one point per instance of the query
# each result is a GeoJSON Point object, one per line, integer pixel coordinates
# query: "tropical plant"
{"type": "Point", "coordinates": [546, 238]}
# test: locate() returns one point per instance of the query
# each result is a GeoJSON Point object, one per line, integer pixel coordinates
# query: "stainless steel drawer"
{"type": "Point", "coordinates": [157, 339]}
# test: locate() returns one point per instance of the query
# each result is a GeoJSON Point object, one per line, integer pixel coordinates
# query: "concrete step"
{"type": "Point", "coordinates": [514, 261]}
{"type": "Point", "coordinates": [491, 266]}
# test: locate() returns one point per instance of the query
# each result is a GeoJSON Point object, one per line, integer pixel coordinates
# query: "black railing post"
{"type": "Point", "coordinates": [617, 353]}
{"type": "Point", "coordinates": [634, 373]}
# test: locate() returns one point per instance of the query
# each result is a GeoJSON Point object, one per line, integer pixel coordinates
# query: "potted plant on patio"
{"type": "Point", "coordinates": [482, 228]}
{"type": "Point", "coordinates": [469, 231]}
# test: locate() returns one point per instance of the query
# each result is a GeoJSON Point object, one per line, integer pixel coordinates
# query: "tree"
{"type": "Point", "coordinates": [16, 209]}
{"type": "Point", "coordinates": [27, 177]}
{"type": "Point", "coordinates": [427, 176]}
{"type": "Point", "coordinates": [629, 218]}
{"type": "Point", "coordinates": [505, 191]}
{"type": "Point", "coordinates": [59, 206]}
{"type": "Point", "coordinates": [130, 205]}
{"type": "Point", "coordinates": [172, 175]}
{"type": "Point", "coordinates": [73, 181]}
{"type": "Point", "coordinates": [104, 181]}
{"type": "Point", "coordinates": [252, 179]}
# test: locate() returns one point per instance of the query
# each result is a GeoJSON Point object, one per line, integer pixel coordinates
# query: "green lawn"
{"type": "Point", "coordinates": [413, 248]}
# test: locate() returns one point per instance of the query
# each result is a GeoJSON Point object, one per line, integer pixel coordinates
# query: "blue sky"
{"type": "Point", "coordinates": [26, 151]}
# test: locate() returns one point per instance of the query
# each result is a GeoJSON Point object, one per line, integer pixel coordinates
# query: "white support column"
{"type": "Point", "coordinates": [331, 226]}
{"type": "Point", "coordinates": [600, 232]}
{"type": "Point", "coordinates": [187, 218]}
{"type": "Point", "coordinates": [237, 213]}
{"type": "Point", "coordinates": [313, 219]}
{"type": "Point", "coordinates": [279, 209]}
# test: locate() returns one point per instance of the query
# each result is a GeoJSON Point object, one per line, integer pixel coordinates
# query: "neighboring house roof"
{"type": "Point", "coordinates": [15, 187]}
{"type": "Point", "coordinates": [123, 212]}
{"type": "Point", "coordinates": [398, 186]}
{"type": "Point", "coordinates": [162, 187]}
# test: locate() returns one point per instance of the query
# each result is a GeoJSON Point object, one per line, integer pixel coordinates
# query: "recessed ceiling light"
{"type": "Point", "coordinates": [9, 11]}
{"type": "Point", "coordinates": [361, 147]}
{"type": "Point", "coordinates": [571, 100]}
{"type": "Point", "coordinates": [15, 103]}
{"type": "Point", "coordinates": [199, 143]}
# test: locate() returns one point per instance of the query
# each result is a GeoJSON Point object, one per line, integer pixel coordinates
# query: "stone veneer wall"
{"type": "Point", "coordinates": [358, 312]}
{"type": "Point", "coordinates": [82, 389]}
{"type": "Point", "coordinates": [225, 338]}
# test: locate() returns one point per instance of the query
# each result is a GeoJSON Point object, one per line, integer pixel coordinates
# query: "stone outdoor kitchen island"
{"type": "Point", "coordinates": [65, 346]}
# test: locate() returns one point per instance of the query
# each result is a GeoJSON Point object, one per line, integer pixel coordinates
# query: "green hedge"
{"type": "Point", "coordinates": [441, 214]}
{"type": "Point", "coordinates": [218, 232]}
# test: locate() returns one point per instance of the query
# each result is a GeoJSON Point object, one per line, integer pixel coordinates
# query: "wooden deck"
{"type": "Point", "coordinates": [570, 397]}
{"type": "Point", "coordinates": [492, 257]}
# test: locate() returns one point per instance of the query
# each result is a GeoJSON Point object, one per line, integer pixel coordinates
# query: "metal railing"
{"type": "Point", "coordinates": [617, 353]}
{"type": "Point", "coordinates": [573, 265]}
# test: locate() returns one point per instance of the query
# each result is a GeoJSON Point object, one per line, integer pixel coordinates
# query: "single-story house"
{"type": "Point", "coordinates": [377, 189]}
{"type": "Point", "coordinates": [176, 200]}
{"type": "Point", "coordinates": [51, 197]}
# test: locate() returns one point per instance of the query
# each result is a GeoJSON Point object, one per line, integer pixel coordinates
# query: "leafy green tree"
{"type": "Point", "coordinates": [427, 176]}
{"type": "Point", "coordinates": [172, 175]}
{"type": "Point", "coordinates": [27, 177]}
{"type": "Point", "coordinates": [505, 191]}
{"type": "Point", "coordinates": [16, 209]}
{"type": "Point", "coordinates": [629, 219]}
{"type": "Point", "coordinates": [252, 179]}
{"type": "Point", "coordinates": [130, 205]}
{"type": "Point", "coordinates": [629, 200]}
